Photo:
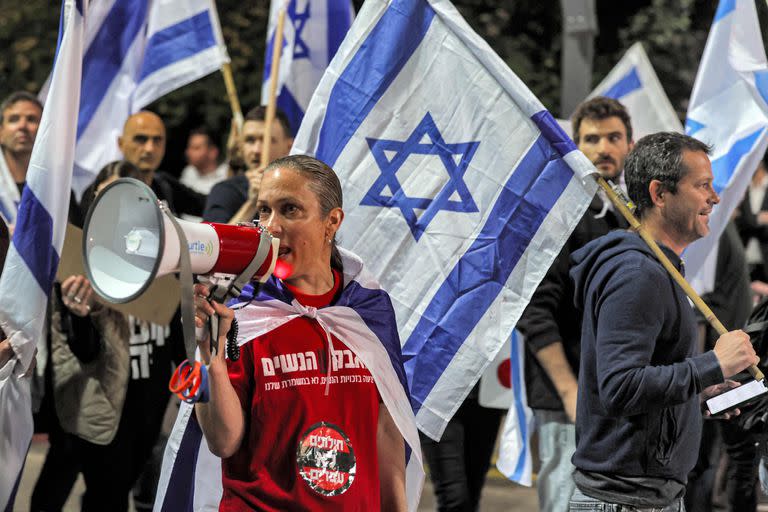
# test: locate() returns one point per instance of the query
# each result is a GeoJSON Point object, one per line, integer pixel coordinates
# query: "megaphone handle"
{"type": "Point", "coordinates": [233, 349]}
{"type": "Point", "coordinates": [213, 329]}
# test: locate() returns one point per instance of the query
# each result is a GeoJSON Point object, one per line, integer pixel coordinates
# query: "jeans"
{"type": "Point", "coordinates": [557, 442]}
{"type": "Point", "coordinates": [582, 503]}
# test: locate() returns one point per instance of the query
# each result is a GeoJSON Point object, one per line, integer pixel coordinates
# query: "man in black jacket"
{"type": "Point", "coordinates": [638, 420]}
{"type": "Point", "coordinates": [551, 325]}
{"type": "Point", "coordinates": [153, 348]}
{"type": "Point", "coordinates": [143, 144]}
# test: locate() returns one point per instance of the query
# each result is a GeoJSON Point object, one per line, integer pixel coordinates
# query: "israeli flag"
{"type": "Point", "coordinates": [729, 110]}
{"type": "Point", "coordinates": [459, 187]}
{"type": "Point", "coordinates": [136, 52]}
{"type": "Point", "coordinates": [313, 32]}
{"type": "Point", "coordinates": [634, 83]}
{"type": "Point", "coordinates": [515, 461]}
{"type": "Point", "coordinates": [33, 257]}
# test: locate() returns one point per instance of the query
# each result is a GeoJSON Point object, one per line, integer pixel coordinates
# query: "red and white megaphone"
{"type": "Point", "coordinates": [129, 240]}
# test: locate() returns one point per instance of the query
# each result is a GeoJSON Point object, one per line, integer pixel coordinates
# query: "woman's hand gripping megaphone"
{"type": "Point", "coordinates": [205, 309]}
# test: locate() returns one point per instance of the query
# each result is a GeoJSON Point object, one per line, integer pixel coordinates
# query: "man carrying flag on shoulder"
{"type": "Point", "coordinates": [551, 325]}
{"type": "Point", "coordinates": [639, 419]}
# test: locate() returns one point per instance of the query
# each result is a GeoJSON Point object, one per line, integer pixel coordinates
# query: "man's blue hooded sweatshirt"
{"type": "Point", "coordinates": [638, 410]}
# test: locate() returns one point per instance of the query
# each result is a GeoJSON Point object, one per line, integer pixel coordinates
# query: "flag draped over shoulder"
{"type": "Point", "coordinates": [729, 110]}
{"type": "Point", "coordinates": [137, 51]}
{"type": "Point", "coordinates": [459, 187]}
{"type": "Point", "coordinates": [33, 256]}
{"type": "Point", "coordinates": [363, 318]}
{"type": "Point", "coordinates": [634, 83]}
{"type": "Point", "coordinates": [313, 32]}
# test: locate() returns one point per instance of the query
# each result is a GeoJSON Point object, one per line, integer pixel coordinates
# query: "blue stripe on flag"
{"type": "Point", "coordinates": [180, 492]}
{"type": "Point", "coordinates": [522, 419]}
{"type": "Point", "coordinates": [32, 239]}
{"type": "Point", "coordinates": [483, 270]}
{"type": "Point", "coordinates": [692, 126]}
{"type": "Point", "coordinates": [628, 83]}
{"type": "Point", "coordinates": [105, 55]}
{"type": "Point", "coordinates": [177, 42]}
{"type": "Point", "coordinates": [553, 132]}
{"type": "Point", "coordinates": [339, 21]}
{"type": "Point", "coordinates": [288, 104]}
{"type": "Point", "coordinates": [723, 9]}
{"type": "Point", "coordinates": [724, 167]}
{"type": "Point", "coordinates": [374, 67]}
{"type": "Point", "coordinates": [761, 81]}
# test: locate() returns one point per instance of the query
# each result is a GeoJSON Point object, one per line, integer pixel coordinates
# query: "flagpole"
{"type": "Point", "coordinates": [621, 204]}
{"type": "Point", "coordinates": [234, 101]}
{"type": "Point", "coordinates": [269, 117]}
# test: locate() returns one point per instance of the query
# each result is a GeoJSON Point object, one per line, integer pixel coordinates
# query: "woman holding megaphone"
{"type": "Point", "coordinates": [314, 413]}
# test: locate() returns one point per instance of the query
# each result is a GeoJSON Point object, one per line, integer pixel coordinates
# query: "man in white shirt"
{"type": "Point", "coordinates": [203, 170]}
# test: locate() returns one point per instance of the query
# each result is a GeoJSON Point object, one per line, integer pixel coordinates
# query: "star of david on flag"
{"type": "Point", "coordinates": [299, 19]}
{"type": "Point", "coordinates": [313, 32]}
{"type": "Point", "coordinates": [459, 188]}
{"type": "Point", "coordinates": [425, 140]}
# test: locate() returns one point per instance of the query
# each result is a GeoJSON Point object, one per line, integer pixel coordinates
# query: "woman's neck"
{"type": "Point", "coordinates": [315, 283]}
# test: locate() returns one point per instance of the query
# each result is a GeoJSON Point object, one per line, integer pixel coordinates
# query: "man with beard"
{"type": "Point", "coordinates": [551, 325]}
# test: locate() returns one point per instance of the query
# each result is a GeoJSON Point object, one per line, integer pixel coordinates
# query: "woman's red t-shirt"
{"type": "Point", "coordinates": [303, 449]}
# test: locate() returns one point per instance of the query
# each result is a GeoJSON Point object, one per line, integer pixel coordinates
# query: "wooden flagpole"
{"type": "Point", "coordinates": [269, 117]}
{"type": "Point", "coordinates": [234, 102]}
{"type": "Point", "coordinates": [623, 207]}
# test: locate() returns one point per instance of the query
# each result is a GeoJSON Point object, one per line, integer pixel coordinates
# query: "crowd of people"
{"type": "Point", "coordinates": [617, 361]}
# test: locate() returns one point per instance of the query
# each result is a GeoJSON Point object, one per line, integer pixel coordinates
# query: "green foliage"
{"type": "Point", "coordinates": [28, 32]}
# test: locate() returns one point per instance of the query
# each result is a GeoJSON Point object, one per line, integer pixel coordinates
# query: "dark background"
{"type": "Point", "coordinates": [525, 33]}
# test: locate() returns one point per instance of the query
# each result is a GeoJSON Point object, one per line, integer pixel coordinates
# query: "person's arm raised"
{"type": "Point", "coordinates": [247, 211]}
{"type": "Point", "coordinates": [222, 418]}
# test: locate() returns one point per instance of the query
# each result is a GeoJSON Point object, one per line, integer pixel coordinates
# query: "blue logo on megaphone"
{"type": "Point", "coordinates": [200, 247]}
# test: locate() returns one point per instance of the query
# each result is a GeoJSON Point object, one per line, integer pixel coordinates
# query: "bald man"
{"type": "Point", "coordinates": [143, 144]}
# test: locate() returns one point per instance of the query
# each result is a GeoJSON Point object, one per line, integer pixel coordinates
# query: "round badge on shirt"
{"type": "Point", "coordinates": [326, 459]}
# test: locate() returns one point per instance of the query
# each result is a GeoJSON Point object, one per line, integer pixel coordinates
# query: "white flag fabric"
{"type": "Point", "coordinates": [729, 110]}
{"type": "Point", "coordinates": [459, 187]}
{"type": "Point", "coordinates": [634, 83]}
{"type": "Point", "coordinates": [313, 32]}
{"type": "Point", "coordinates": [137, 51]}
{"type": "Point", "coordinates": [515, 460]}
{"type": "Point", "coordinates": [33, 256]}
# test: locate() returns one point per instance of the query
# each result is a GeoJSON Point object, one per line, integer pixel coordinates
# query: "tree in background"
{"type": "Point", "coordinates": [525, 33]}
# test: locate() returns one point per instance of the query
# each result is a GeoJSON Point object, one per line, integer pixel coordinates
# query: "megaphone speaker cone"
{"type": "Point", "coordinates": [129, 240]}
